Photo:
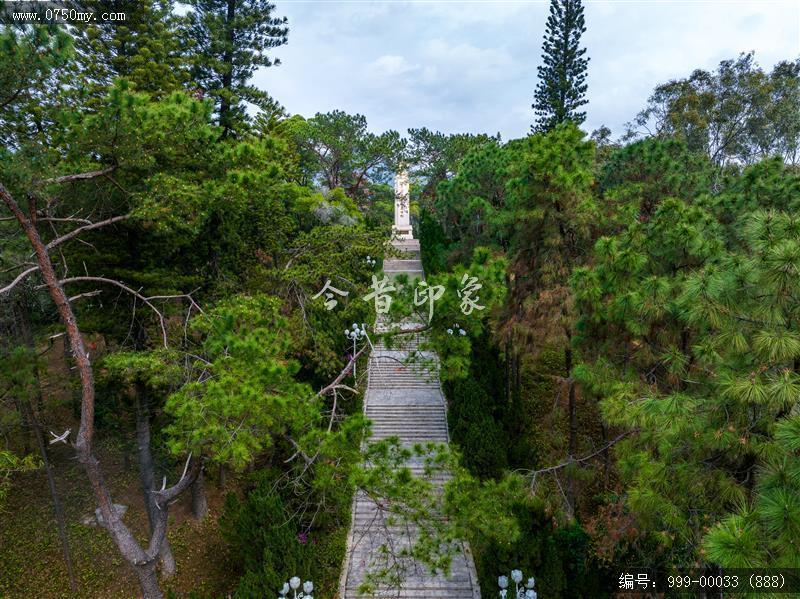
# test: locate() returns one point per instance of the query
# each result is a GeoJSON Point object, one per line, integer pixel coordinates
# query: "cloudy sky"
{"type": "Point", "coordinates": [457, 66]}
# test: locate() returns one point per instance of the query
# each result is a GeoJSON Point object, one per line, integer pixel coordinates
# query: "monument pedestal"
{"type": "Point", "coordinates": [402, 217]}
{"type": "Point", "coordinates": [402, 232]}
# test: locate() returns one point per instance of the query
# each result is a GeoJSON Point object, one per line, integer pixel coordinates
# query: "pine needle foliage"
{"type": "Point", "coordinates": [562, 84]}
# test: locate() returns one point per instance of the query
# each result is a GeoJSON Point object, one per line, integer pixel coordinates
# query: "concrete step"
{"type": "Point", "coordinates": [402, 264]}
{"type": "Point", "coordinates": [409, 386]}
{"type": "Point", "coordinates": [394, 370]}
{"type": "Point", "coordinates": [406, 245]}
{"type": "Point", "coordinates": [391, 367]}
{"type": "Point", "coordinates": [424, 593]}
{"type": "Point", "coordinates": [387, 383]}
{"type": "Point", "coordinates": [398, 374]}
{"type": "Point", "coordinates": [399, 420]}
{"type": "Point", "coordinates": [403, 423]}
{"type": "Point", "coordinates": [404, 270]}
{"type": "Point", "coordinates": [402, 375]}
{"type": "Point", "coordinates": [402, 380]}
{"type": "Point", "coordinates": [411, 438]}
{"type": "Point", "coordinates": [403, 400]}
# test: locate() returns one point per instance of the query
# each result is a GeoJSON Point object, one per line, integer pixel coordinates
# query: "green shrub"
{"type": "Point", "coordinates": [528, 419]}
{"type": "Point", "coordinates": [559, 559]}
{"type": "Point", "coordinates": [270, 547]}
{"type": "Point", "coordinates": [474, 429]}
{"type": "Point", "coordinates": [433, 243]}
{"type": "Point", "coordinates": [263, 539]}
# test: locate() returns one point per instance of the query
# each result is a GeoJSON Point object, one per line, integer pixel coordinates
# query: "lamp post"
{"type": "Point", "coordinates": [522, 592]}
{"type": "Point", "coordinates": [456, 330]}
{"type": "Point", "coordinates": [293, 585]}
{"type": "Point", "coordinates": [356, 334]}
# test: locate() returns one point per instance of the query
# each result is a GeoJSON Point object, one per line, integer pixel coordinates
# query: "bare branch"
{"type": "Point", "coordinates": [534, 473]}
{"type": "Point", "coordinates": [333, 410]}
{"type": "Point", "coordinates": [83, 295]}
{"type": "Point", "coordinates": [18, 279]}
{"type": "Point", "coordinates": [17, 267]}
{"type": "Point", "coordinates": [72, 218]}
{"type": "Point", "coordinates": [62, 438]}
{"type": "Point", "coordinates": [346, 388]}
{"type": "Point", "coordinates": [89, 227]}
{"type": "Point", "coordinates": [298, 451]}
{"type": "Point", "coordinates": [64, 219]}
{"type": "Point", "coordinates": [80, 176]}
{"type": "Point", "coordinates": [343, 373]}
{"type": "Point", "coordinates": [137, 295]}
{"type": "Point", "coordinates": [124, 287]}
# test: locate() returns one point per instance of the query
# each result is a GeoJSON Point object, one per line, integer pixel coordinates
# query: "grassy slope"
{"type": "Point", "coordinates": [31, 564]}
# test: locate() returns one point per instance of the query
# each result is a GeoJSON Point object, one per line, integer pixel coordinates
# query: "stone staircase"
{"type": "Point", "coordinates": [403, 400]}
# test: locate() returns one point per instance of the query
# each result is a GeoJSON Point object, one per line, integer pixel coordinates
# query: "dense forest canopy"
{"type": "Point", "coordinates": [628, 394]}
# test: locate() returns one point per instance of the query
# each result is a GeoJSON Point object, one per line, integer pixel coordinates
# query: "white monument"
{"type": "Point", "coordinates": [402, 216]}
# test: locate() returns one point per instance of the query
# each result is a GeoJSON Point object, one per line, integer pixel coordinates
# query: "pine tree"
{"type": "Point", "coordinates": [550, 195]}
{"type": "Point", "coordinates": [31, 64]}
{"type": "Point", "coordinates": [147, 49]}
{"type": "Point", "coordinates": [232, 37]}
{"type": "Point", "coordinates": [342, 151]}
{"type": "Point", "coordinates": [562, 79]}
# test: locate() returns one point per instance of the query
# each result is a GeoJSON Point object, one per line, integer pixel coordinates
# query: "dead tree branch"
{"type": "Point", "coordinates": [335, 384]}
{"type": "Point", "coordinates": [142, 560]}
{"type": "Point", "coordinates": [137, 295]}
{"type": "Point", "coordinates": [89, 227]}
{"type": "Point", "coordinates": [18, 279]}
{"type": "Point", "coordinates": [552, 469]}
{"type": "Point", "coordinates": [80, 176]}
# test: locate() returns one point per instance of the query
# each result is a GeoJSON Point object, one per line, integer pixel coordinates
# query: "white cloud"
{"type": "Point", "coordinates": [468, 62]}
{"type": "Point", "coordinates": [469, 66]}
{"type": "Point", "coordinates": [390, 65]}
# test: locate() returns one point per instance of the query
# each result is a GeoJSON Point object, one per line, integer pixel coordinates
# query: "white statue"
{"type": "Point", "coordinates": [402, 217]}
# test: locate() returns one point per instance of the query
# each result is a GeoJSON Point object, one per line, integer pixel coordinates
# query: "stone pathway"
{"type": "Point", "coordinates": [404, 401]}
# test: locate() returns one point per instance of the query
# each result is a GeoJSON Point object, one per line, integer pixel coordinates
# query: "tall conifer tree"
{"type": "Point", "coordinates": [562, 78]}
{"type": "Point", "coordinates": [147, 49]}
{"type": "Point", "coordinates": [232, 38]}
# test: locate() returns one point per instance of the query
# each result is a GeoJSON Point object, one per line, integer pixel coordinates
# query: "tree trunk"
{"type": "Point", "coordinates": [168, 565]}
{"type": "Point", "coordinates": [573, 423]}
{"type": "Point", "coordinates": [199, 500]}
{"type": "Point", "coordinates": [508, 374]}
{"type": "Point", "coordinates": [515, 391]}
{"type": "Point", "coordinates": [57, 509]}
{"type": "Point", "coordinates": [226, 108]}
{"type": "Point", "coordinates": [606, 457]}
{"type": "Point", "coordinates": [148, 581]}
{"type": "Point", "coordinates": [221, 476]}
{"type": "Point", "coordinates": [130, 549]}
{"type": "Point", "coordinates": [25, 424]}
{"type": "Point", "coordinates": [147, 474]}
{"type": "Point", "coordinates": [36, 426]}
